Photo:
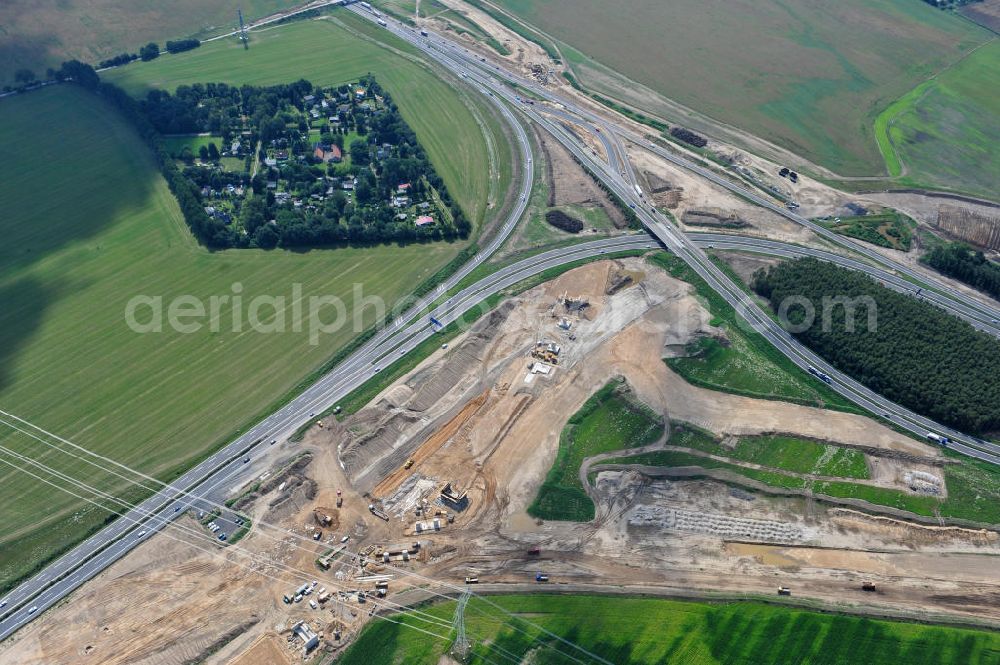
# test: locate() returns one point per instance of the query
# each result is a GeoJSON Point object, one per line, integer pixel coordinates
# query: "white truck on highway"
{"type": "Point", "coordinates": [938, 439]}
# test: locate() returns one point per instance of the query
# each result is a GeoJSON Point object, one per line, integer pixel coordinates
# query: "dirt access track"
{"type": "Point", "coordinates": [475, 415]}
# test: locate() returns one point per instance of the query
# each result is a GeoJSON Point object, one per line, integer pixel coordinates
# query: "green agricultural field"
{"type": "Point", "coordinates": [89, 224]}
{"type": "Point", "coordinates": [945, 131]}
{"type": "Point", "coordinates": [38, 35]}
{"type": "Point", "coordinates": [644, 631]}
{"type": "Point", "coordinates": [749, 365]}
{"type": "Point", "coordinates": [448, 120]}
{"type": "Point", "coordinates": [809, 75]}
{"type": "Point", "coordinates": [610, 420]}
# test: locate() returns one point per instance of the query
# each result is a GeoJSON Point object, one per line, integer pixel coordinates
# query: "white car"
{"type": "Point", "coordinates": [32, 609]}
{"type": "Point", "coordinates": [345, 539]}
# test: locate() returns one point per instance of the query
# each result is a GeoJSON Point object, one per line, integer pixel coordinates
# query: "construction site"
{"type": "Point", "coordinates": [427, 489]}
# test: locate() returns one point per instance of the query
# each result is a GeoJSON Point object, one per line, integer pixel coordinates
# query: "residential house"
{"type": "Point", "coordinates": [328, 153]}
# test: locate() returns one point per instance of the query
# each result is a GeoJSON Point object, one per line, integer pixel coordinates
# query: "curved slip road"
{"type": "Point", "coordinates": [225, 466]}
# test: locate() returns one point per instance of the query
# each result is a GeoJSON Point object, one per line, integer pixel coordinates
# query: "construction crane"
{"type": "Point", "coordinates": [243, 30]}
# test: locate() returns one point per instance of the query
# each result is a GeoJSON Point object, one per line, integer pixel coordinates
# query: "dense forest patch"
{"type": "Point", "coordinates": [903, 348]}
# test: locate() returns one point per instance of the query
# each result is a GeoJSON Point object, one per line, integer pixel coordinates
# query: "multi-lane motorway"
{"type": "Point", "coordinates": [226, 468]}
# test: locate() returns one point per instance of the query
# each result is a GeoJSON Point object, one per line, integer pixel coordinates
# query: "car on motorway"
{"type": "Point", "coordinates": [3, 605]}
{"type": "Point", "coordinates": [142, 533]}
{"type": "Point", "coordinates": [32, 609]}
{"type": "Point", "coordinates": [246, 459]}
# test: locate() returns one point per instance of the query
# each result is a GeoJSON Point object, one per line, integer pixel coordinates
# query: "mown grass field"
{"type": "Point", "coordinates": [644, 631]}
{"type": "Point", "coordinates": [808, 75]}
{"type": "Point", "coordinates": [38, 35]}
{"type": "Point", "coordinates": [945, 131]}
{"type": "Point", "coordinates": [448, 120]}
{"type": "Point", "coordinates": [749, 365]}
{"type": "Point", "coordinates": [609, 420]}
{"type": "Point", "coordinates": [90, 224]}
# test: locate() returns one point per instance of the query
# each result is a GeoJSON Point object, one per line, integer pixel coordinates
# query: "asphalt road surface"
{"type": "Point", "coordinates": [226, 468]}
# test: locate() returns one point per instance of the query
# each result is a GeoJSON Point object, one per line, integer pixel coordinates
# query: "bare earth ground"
{"type": "Point", "coordinates": [985, 13]}
{"type": "Point", "coordinates": [470, 415]}
{"type": "Point", "coordinates": [699, 194]}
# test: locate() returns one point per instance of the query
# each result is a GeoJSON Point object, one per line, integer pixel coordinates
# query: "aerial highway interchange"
{"type": "Point", "coordinates": [211, 479]}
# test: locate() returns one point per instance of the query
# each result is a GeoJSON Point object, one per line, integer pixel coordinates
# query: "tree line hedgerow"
{"type": "Point", "coordinates": [915, 354]}
{"type": "Point", "coordinates": [972, 267]}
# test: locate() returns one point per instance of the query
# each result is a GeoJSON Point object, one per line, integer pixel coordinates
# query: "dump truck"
{"type": "Point", "coordinates": [409, 463]}
{"type": "Point", "coordinates": [784, 591]}
{"type": "Point", "coordinates": [377, 512]}
{"type": "Point", "coordinates": [869, 587]}
{"type": "Point", "coordinates": [541, 578]}
{"type": "Point", "coordinates": [472, 580]}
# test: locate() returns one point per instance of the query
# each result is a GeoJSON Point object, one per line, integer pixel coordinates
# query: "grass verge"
{"type": "Point", "coordinates": [745, 363]}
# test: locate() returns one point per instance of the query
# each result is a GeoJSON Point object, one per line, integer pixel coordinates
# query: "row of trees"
{"type": "Point", "coordinates": [901, 347]}
{"type": "Point", "coordinates": [118, 60]}
{"type": "Point", "coordinates": [26, 77]}
{"type": "Point", "coordinates": [181, 45]}
{"type": "Point", "coordinates": [150, 51]}
{"type": "Point", "coordinates": [972, 267]}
